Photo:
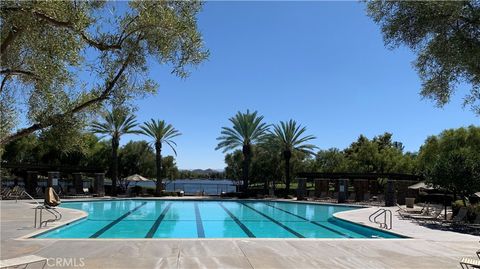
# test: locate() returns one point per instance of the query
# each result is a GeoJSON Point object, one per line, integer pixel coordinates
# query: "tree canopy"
{"type": "Point", "coordinates": [446, 37]}
{"type": "Point", "coordinates": [61, 59]}
{"type": "Point", "coordinates": [452, 160]}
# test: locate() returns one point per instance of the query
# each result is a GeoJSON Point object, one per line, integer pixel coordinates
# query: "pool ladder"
{"type": "Point", "coordinates": [386, 214]}
{"type": "Point", "coordinates": [39, 209]}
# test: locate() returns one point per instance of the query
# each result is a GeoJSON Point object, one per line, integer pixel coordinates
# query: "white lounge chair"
{"type": "Point", "coordinates": [467, 263]}
{"type": "Point", "coordinates": [429, 218]}
{"type": "Point", "coordinates": [24, 260]}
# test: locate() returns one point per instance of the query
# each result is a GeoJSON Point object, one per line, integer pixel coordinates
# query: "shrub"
{"type": "Point", "coordinates": [456, 206]}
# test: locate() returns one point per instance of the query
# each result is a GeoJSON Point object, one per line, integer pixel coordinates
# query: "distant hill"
{"type": "Point", "coordinates": [203, 171]}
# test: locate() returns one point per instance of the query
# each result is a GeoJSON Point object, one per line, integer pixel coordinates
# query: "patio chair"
{"type": "Point", "coordinates": [24, 260]}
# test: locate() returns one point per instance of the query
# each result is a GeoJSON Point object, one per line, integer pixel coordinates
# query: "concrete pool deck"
{"type": "Point", "coordinates": [428, 248]}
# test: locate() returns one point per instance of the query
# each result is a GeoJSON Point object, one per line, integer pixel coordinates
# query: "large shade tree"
{"type": "Point", "coordinates": [161, 132]}
{"type": "Point", "coordinates": [248, 129]}
{"type": "Point", "coordinates": [289, 137]}
{"type": "Point", "coordinates": [115, 124]}
{"type": "Point", "coordinates": [452, 160]}
{"type": "Point", "coordinates": [446, 37]}
{"type": "Point", "coordinates": [61, 60]}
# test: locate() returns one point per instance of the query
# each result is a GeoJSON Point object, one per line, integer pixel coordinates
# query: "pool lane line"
{"type": "Point", "coordinates": [311, 221]}
{"type": "Point", "coordinates": [198, 218]}
{"type": "Point", "coordinates": [157, 222]}
{"type": "Point", "coordinates": [274, 221]}
{"type": "Point", "coordinates": [238, 222]}
{"type": "Point", "coordinates": [111, 224]}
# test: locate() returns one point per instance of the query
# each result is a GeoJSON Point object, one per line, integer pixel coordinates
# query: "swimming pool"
{"type": "Point", "coordinates": [209, 219]}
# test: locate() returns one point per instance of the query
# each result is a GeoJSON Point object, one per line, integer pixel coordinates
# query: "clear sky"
{"type": "Point", "coordinates": [323, 64]}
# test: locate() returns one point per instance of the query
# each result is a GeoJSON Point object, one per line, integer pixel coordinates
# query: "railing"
{"type": "Point", "coordinates": [57, 215]}
{"type": "Point", "coordinates": [197, 188]}
{"type": "Point", "coordinates": [386, 213]}
{"type": "Point", "coordinates": [39, 213]}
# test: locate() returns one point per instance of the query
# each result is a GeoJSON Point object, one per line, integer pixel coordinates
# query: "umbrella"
{"type": "Point", "coordinates": [136, 178]}
{"type": "Point", "coordinates": [421, 186]}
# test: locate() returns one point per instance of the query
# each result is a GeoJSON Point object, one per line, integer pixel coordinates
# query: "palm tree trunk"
{"type": "Point", "coordinates": [287, 154]}
{"type": "Point", "coordinates": [246, 165]}
{"type": "Point", "coordinates": [158, 162]}
{"type": "Point", "coordinates": [115, 144]}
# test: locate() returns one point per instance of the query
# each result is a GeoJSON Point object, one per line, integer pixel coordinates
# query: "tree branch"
{"type": "Point", "coordinates": [4, 81]}
{"type": "Point", "coordinates": [17, 72]}
{"type": "Point", "coordinates": [102, 46]}
{"type": "Point", "coordinates": [12, 34]}
{"type": "Point", "coordinates": [52, 120]}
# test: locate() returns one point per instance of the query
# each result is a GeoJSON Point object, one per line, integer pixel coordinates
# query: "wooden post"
{"type": "Point", "coordinates": [31, 182]}
{"type": "Point", "coordinates": [99, 186]}
{"type": "Point", "coordinates": [342, 190]}
{"type": "Point", "coordinates": [301, 190]}
{"type": "Point", "coordinates": [53, 178]}
{"type": "Point", "coordinates": [390, 193]}
{"type": "Point", "coordinates": [78, 182]}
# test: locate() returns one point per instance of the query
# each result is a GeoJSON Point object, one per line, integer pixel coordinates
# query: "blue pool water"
{"type": "Point", "coordinates": [209, 219]}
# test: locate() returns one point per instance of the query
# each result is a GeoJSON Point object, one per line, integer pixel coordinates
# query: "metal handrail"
{"type": "Point", "coordinates": [57, 215]}
{"type": "Point", "coordinates": [25, 192]}
{"type": "Point", "coordinates": [52, 211]}
{"type": "Point", "coordinates": [386, 213]}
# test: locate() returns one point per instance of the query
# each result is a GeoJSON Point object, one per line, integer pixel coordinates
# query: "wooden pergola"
{"type": "Point", "coordinates": [30, 172]}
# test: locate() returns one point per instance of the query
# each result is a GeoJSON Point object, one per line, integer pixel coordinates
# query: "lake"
{"type": "Point", "coordinates": [194, 186]}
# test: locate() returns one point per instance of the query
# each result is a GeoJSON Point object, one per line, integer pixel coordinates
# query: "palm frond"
{"type": "Point", "coordinates": [161, 132]}
{"type": "Point", "coordinates": [115, 123]}
{"type": "Point", "coordinates": [247, 129]}
{"type": "Point", "coordinates": [289, 136]}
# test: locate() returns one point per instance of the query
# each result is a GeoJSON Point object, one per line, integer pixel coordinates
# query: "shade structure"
{"type": "Point", "coordinates": [136, 178]}
{"type": "Point", "coordinates": [421, 186]}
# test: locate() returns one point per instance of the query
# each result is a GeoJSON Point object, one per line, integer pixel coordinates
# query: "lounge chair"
{"type": "Point", "coordinates": [15, 192]}
{"type": "Point", "coordinates": [409, 213]}
{"type": "Point", "coordinates": [6, 193]}
{"type": "Point", "coordinates": [459, 218]}
{"type": "Point", "coordinates": [24, 260]}
{"type": "Point", "coordinates": [467, 263]}
{"type": "Point", "coordinates": [435, 217]}
{"type": "Point", "coordinates": [410, 210]}
{"type": "Point", "coordinates": [475, 226]}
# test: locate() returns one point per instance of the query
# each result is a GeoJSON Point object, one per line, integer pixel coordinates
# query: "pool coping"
{"type": "Point", "coordinates": [84, 215]}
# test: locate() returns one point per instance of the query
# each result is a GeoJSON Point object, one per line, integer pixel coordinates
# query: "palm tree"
{"type": "Point", "coordinates": [288, 137]}
{"type": "Point", "coordinates": [115, 123]}
{"type": "Point", "coordinates": [247, 130]}
{"type": "Point", "coordinates": [161, 132]}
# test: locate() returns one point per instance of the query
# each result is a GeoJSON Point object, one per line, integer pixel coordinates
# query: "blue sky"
{"type": "Point", "coordinates": [323, 64]}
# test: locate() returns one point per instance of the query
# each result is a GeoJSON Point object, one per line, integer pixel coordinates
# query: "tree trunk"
{"type": "Point", "coordinates": [246, 165]}
{"type": "Point", "coordinates": [287, 154]}
{"type": "Point", "coordinates": [115, 144]}
{"type": "Point", "coordinates": [158, 163]}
